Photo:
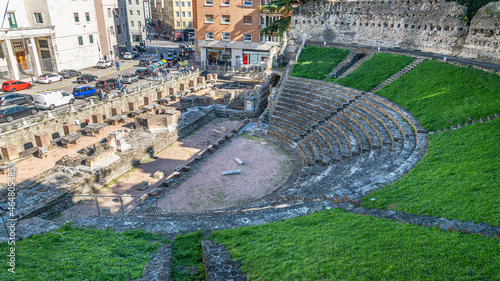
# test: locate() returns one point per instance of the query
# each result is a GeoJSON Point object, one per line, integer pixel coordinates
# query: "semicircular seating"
{"type": "Point", "coordinates": [350, 142]}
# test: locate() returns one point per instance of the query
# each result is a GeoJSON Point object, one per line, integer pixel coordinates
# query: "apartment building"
{"type": "Point", "coordinates": [113, 28]}
{"type": "Point", "coordinates": [181, 19]}
{"type": "Point", "coordinates": [227, 33]}
{"type": "Point", "coordinates": [45, 36]}
{"type": "Point", "coordinates": [136, 21]}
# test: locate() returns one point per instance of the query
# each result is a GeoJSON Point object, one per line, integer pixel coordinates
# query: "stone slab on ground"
{"type": "Point", "coordinates": [29, 227]}
{"type": "Point", "coordinates": [159, 267]}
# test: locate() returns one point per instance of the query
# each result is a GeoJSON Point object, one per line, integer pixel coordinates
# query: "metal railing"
{"type": "Point", "coordinates": [84, 205]}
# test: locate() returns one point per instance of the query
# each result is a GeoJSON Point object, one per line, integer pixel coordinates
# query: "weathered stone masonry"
{"type": "Point", "coordinates": [430, 25]}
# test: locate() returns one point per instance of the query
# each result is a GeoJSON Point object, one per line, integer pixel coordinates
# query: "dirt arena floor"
{"type": "Point", "coordinates": [265, 168]}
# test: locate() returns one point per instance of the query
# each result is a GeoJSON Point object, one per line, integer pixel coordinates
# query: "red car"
{"type": "Point", "coordinates": [15, 85]}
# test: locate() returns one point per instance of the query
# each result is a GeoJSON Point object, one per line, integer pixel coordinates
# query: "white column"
{"type": "Point", "coordinates": [35, 62]}
{"type": "Point", "coordinates": [11, 61]}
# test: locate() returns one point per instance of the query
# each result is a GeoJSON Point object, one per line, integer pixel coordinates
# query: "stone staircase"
{"type": "Point", "coordinates": [348, 141]}
{"type": "Point", "coordinates": [400, 73]}
{"type": "Point", "coordinates": [218, 263]}
{"type": "Point", "coordinates": [345, 65]}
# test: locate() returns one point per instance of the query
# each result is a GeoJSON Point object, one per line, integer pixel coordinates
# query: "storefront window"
{"type": "Point", "coordinates": [254, 57]}
{"type": "Point", "coordinates": [219, 56]}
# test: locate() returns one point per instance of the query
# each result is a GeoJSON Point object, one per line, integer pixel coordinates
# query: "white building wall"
{"type": "Point", "coordinates": [136, 20]}
{"type": "Point", "coordinates": [69, 52]}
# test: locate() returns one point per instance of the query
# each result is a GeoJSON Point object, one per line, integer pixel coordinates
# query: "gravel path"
{"type": "Point", "coordinates": [266, 167]}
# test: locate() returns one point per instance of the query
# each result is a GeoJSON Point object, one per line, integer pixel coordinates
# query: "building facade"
{"type": "Point", "coordinates": [181, 18]}
{"type": "Point", "coordinates": [136, 21]}
{"type": "Point", "coordinates": [45, 36]}
{"type": "Point", "coordinates": [227, 33]}
{"type": "Point", "coordinates": [113, 28]}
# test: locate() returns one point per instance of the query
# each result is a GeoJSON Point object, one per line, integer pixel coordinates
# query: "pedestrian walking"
{"type": "Point", "coordinates": [99, 94]}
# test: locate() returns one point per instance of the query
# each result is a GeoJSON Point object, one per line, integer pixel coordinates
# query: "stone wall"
{"type": "Point", "coordinates": [24, 137]}
{"type": "Point", "coordinates": [429, 25]}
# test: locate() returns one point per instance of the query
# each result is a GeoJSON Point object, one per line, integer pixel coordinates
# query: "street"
{"type": "Point", "coordinates": [153, 51]}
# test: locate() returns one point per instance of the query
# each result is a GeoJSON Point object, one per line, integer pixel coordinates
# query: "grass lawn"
{"type": "Point", "coordinates": [187, 257]}
{"type": "Point", "coordinates": [374, 71]}
{"type": "Point", "coordinates": [458, 178]}
{"type": "Point", "coordinates": [73, 253]}
{"type": "Point", "coordinates": [334, 245]}
{"type": "Point", "coordinates": [317, 62]}
{"type": "Point", "coordinates": [442, 95]}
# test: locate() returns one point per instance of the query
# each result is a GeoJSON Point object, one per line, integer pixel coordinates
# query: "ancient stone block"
{"type": "Point", "coordinates": [10, 152]}
{"type": "Point", "coordinates": [122, 145]}
{"type": "Point", "coordinates": [214, 76]}
{"type": "Point", "coordinates": [156, 192]}
{"type": "Point", "coordinates": [116, 111]}
{"type": "Point", "coordinates": [193, 101]}
{"type": "Point", "coordinates": [191, 83]}
{"type": "Point", "coordinates": [142, 185]}
{"type": "Point", "coordinates": [209, 77]}
{"type": "Point", "coordinates": [97, 118]}
{"type": "Point", "coordinates": [201, 80]}
{"type": "Point", "coordinates": [171, 91]}
{"type": "Point", "coordinates": [160, 94]}
{"type": "Point", "coordinates": [182, 87]}
{"type": "Point", "coordinates": [159, 174]}
{"type": "Point", "coordinates": [100, 156]}
{"type": "Point", "coordinates": [42, 140]}
{"type": "Point", "coordinates": [167, 120]}
{"type": "Point", "coordinates": [148, 100]}
{"type": "Point", "coordinates": [69, 129]}
{"type": "Point", "coordinates": [133, 106]}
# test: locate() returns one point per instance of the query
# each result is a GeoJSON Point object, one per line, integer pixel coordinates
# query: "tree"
{"type": "Point", "coordinates": [183, 63]}
{"type": "Point", "coordinates": [284, 7]}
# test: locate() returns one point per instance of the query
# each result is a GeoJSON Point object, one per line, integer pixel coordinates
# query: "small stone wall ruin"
{"type": "Point", "coordinates": [429, 25]}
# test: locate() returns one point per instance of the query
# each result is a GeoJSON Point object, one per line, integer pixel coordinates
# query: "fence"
{"type": "Point", "coordinates": [107, 205]}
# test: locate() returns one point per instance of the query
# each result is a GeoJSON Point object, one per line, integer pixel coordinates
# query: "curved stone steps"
{"type": "Point", "coordinates": [299, 136]}
{"type": "Point", "coordinates": [307, 147]}
{"type": "Point", "coordinates": [310, 112]}
{"type": "Point", "coordinates": [365, 133]}
{"type": "Point", "coordinates": [349, 133]}
{"type": "Point", "coordinates": [383, 131]}
{"type": "Point", "coordinates": [328, 87]}
{"type": "Point", "coordinates": [315, 104]}
{"type": "Point", "coordinates": [389, 125]}
{"type": "Point", "coordinates": [400, 134]}
{"type": "Point", "coordinates": [337, 101]}
{"type": "Point", "coordinates": [300, 151]}
{"type": "Point", "coordinates": [374, 125]}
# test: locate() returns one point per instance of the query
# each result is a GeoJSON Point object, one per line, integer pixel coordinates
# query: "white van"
{"type": "Point", "coordinates": [51, 99]}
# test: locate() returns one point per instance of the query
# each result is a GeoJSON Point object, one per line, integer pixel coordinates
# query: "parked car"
{"type": "Point", "coordinates": [81, 92]}
{"type": "Point", "coordinates": [143, 73]}
{"type": "Point", "coordinates": [15, 85]}
{"type": "Point", "coordinates": [49, 78]}
{"type": "Point", "coordinates": [86, 78]}
{"type": "Point", "coordinates": [129, 78]}
{"type": "Point", "coordinates": [155, 61]}
{"type": "Point", "coordinates": [10, 113]}
{"type": "Point", "coordinates": [108, 84]}
{"type": "Point", "coordinates": [135, 54]}
{"type": "Point", "coordinates": [127, 56]}
{"type": "Point", "coordinates": [15, 98]}
{"type": "Point", "coordinates": [103, 64]}
{"type": "Point", "coordinates": [69, 73]}
{"type": "Point", "coordinates": [142, 49]}
{"type": "Point", "coordinates": [155, 36]}
{"type": "Point", "coordinates": [144, 63]}
{"type": "Point", "coordinates": [51, 99]}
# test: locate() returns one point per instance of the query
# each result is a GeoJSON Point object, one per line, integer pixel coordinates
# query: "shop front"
{"type": "Point", "coordinates": [120, 49]}
{"type": "Point", "coordinates": [258, 58]}
{"type": "Point", "coordinates": [219, 56]}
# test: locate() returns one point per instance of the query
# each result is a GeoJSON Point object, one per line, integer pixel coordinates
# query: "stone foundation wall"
{"type": "Point", "coordinates": [24, 137]}
{"type": "Point", "coordinates": [429, 25]}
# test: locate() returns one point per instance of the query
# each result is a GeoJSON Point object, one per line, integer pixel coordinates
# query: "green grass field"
{"type": "Point", "coordinates": [334, 245]}
{"type": "Point", "coordinates": [442, 95]}
{"type": "Point", "coordinates": [374, 71]}
{"type": "Point", "coordinates": [73, 253]}
{"type": "Point", "coordinates": [458, 178]}
{"type": "Point", "coordinates": [187, 258]}
{"type": "Point", "coordinates": [317, 62]}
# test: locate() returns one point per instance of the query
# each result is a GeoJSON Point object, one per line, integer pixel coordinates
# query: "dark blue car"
{"type": "Point", "coordinates": [81, 92]}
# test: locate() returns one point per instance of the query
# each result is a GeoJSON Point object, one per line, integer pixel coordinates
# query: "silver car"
{"type": "Point", "coordinates": [129, 78]}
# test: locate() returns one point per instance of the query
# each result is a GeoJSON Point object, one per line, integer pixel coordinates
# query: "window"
{"type": "Point", "coordinates": [183, 4]}
{"type": "Point", "coordinates": [38, 17]}
{"type": "Point", "coordinates": [138, 12]}
{"type": "Point", "coordinates": [226, 36]}
{"type": "Point", "coordinates": [178, 24]}
{"type": "Point", "coordinates": [80, 40]}
{"type": "Point", "coordinates": [12, 20]}
{"type": "Point", "coordinates": [225, 3]}
{"type": "Point", "coordinates": [225, 20]}
{"type": "Point", "coordinates": [247, 3]}
{"type": "Point", "coordinates": [131, 12]}
{"type": "Point", "coordinates": [189, 14]}
{"type": "Point", "coordinates": [77, 17]}
{"type": "Point", "coordinates": [209, 35]}
{"type": "Point", "coordinates": [139, 24]}
{"type": "Point", "coordinates": [119, 29]}
{"type": "Point", "coordinates": [87, 16]}
{"type": "Point", "coordinates": [130, 2]}
{"type": "Point", "coordinates": [43, 43]}
{"type": "Point", "coordinates": [247, 20]}
{"type": "Point", "coordinates": [183, 24]}
{"type": "Point", "coordinates": [177, 4]}
{"type": "Point", "coordinates": [183, 14]}
{"type": "Point", "coordinates": [209, 2]}
{"type": "Point", "coordinates": [111, 30]}
{"type": "Point", "coordinates": [177, 14]}
{"type": "Point", "coordinates": [131, 23]}
{"type": "Point", "coordinates": [137, 2]}
{"type": "Point", "coordinates": [189, 4]}
{"type": "Point", "coordinates": [209, 18]}
{"type": "Point", "coordinates": [109, 12]}
{"type": "Point", "coordinates": [91, 39]}
{"type": "Point", "coordinates": [247, 37]}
